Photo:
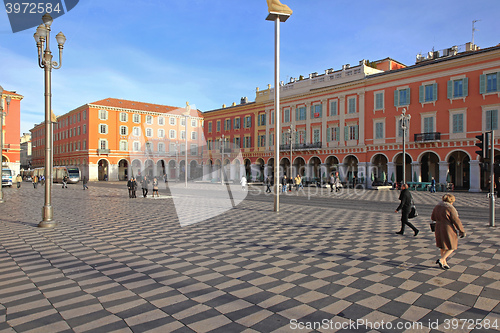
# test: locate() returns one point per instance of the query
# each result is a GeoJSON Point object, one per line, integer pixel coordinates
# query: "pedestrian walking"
{"type": "Point", "coordinates": [243, 183]}
{"type": "Point", "coordinates": [448, 225]}
{"type": "Point", "coordinates": [84, 182]}
{"type": "Point", "coordinates": [41, 180]}
{"type": "Point", "coordinates": [332, 182]}
{"type": "Point", "coordinates": [134, 187]}
{"type": "Point", "coordinates": [19, 180]}
{"type": "Point", "coordinates": [284, 181]}
{"type": "Point", "coordinates": [405, 207]}
{"type": "Point", "coordinates": [433, 185]}
{"type": "Point", "coordinates": [145, 183]}
{"type": "Point", "coordinates": [65, 182]}
{"type": "Point", "coordinates": [34, 180]}
{"type": "Point", "coordinates": [298, 183]}
{"type": "Point", "coordinates": [130, 187]}
{"type": "Point", "coordinates": [268, 184]}
{"type": "Point", "coordinates": [336, 181]}
{"type": "Point", "coordinates": [155, 187]}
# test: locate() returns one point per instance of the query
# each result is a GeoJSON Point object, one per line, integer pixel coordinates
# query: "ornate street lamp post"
{"type": "Point", "coordinates": [42, 38]}
{"type": "Point", "coordinates": [291, 130]}
{"type": "Point", "coordinates": [7, 99]}
{"type": "Point", "coordinates": [405, 119]}
{"type": "Point", "coordinates": [186, 117]}
{"type": "Point", "coordinates": [222, 144]}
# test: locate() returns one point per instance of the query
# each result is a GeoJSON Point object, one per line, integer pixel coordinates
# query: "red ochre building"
{"type": "Point", "coordinates": [114, 139]}
{"type": "Point", "coordinates": [11, 152]}
{"type": "Point", "coordinates": [348, 120]}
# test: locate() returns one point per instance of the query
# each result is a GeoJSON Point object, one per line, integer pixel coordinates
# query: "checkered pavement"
{"type": "Point", "coordinates": [115, 264]}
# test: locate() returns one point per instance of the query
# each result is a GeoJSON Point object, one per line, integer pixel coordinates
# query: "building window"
{"type": "Point", "coordinates": [402, 97]}
{"type": "Point", "coordinates": [209, 127]}
{"type": "Point", "coordinates": [84, 115]}
{"type": "Point", "coordinates": [149, 147]}
{"type": "Point", "coordinates": [458, 88]}
{"type": "Point", "coordinates": [489, 83]}
{"type": "Point", "coordinates": [379, 130]}
{"type": "Point", "coordinates": [103, 115]}
{"type": "Point", "coordinates": [300, 113]}
{"type": "Point", "coordinates": [161, 121]}
{"type": "Point", "coordinates": [286, 116]}
{"type": "Point", "coordinates": [137, 146]}
{"type": "Point", "coordinates": [172, 134]}
{"type": "Point", "coordinates": [428, 124]}
{"type": "Point", "coordinates": [136, 118]}
{"type": "Point", "coordinates": [194, 150]}
{"type": "Point", "coordinates": [236, 123]}
{"type": "Point", "coordinates": [103, 129]}
{"type": "Point", "coordinates": [136, 131]}
{"type": "Point", "coordinates": [149, 132]}
{"type": "Point", "coordinates": [84, 145]}
{"type": "Point", "coordinates": [123, 145]}
{"type": "Point", "coordinates": [103, 144]}
{"type": "Point", "coordinates": [193, 135]}
{"type": "Point", "coordinates": [399, 129]}
{"type": "Point", "coordinates": [261, 141]}
{"type": "Point", "coordinates": [78, 117]}
{"type": "Point", "coordinates": [262, 119]}
{"type": "Point", "coordinates": [379, 101]}
{"type": "Point", "coordinates": [183, 135]}
{"type": "Point", "coordinates": [123, 130]}
{"type": "Point", "coordinates": [218, 125]}
{"type": "Point", "coordinates": [161, 147]}
{"type": "Point", "coordinates": [237, 142]}
{"type": "Point", "coordinates": [161, 133]}
{"type": "Point", "coordinates": [316, 136]}
{"type": "Point", "coordinates": [248, 142]}
{"type": "Point", "coordinates": [227, 125]}
{"type": "Point", "coordinates": [123, 116]}
{"type": "Point", "coordinates": [428, 93]}
{"type": "Point", "coordinates": [333, 134]}
{"type": "Point", "coordinates": [78, 130]}
{"type": "Point", "coordinates": [351, 105]}
{"type": "Point", "coordinates": [458, 123]}
{"type": "Point", "coordinates": [171, 121]}
{"type": "Point", "coordinates": [248, 122]}
{"type": "Point", "coordinates": [316, 111]}
{"type": "Point", "coordinates": [491, 120]}
{"type": "Point", "coordinates": [183, 122]}
{"type": "Point", "coordinates": [334, 108]}
{"type": "Point", "coordinates": [300, 137]}
{"type": "Point", "coordinates": [193, 123]}
{"type": "Point", "coordinates": [351, 132]}
{"type": "Point", "coordinates": [149, 120]}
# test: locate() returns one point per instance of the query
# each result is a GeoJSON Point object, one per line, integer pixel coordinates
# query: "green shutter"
{"type": "Point", "coordinates": [408, 96]}
{"type": "Point", "coordinates": [328, 130]}
{"type": "Point", "coordinates": [356, 134]}
{"type": "Point", "coordinates": [346, 133]}
{"type": "Point", "coordinates": [498, 81]}
{"type": "Point", "coordinates": [396, 97]}
{"type": "Point", "coordinates": [337, 136]}
{"type": "Point", "coordinates": [450, 89]}
{"type": "Point", "coordinates": [465, 85]}
{"type": "Point", "coordinates": [482, 84]}
{"type": "Point", "coordinates": [321, 110]}
{"type": "Point", "coordinates": [296, 114]}
{"type": "Point", "coordinates": [435, 91]}
{"type": "Point", "coordinates": [421, 94]}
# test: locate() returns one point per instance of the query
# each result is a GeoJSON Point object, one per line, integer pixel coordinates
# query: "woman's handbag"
{"type": "Point", "coordinates": [413, 211]}
{"type": "Point", "coordinates": [433, 226]}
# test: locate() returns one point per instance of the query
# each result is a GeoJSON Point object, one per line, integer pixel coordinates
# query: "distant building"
{"type": "Point", "coordinates": [11, 131]}
{"type": "Point", "coordinates": [26, 151]}
{"type": "Point", "coordinates": [113, 139]}
{"type": "Point", "coordinates": [348, 120]}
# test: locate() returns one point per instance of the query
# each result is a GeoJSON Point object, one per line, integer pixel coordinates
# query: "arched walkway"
{"type": "Point", "coordinates": [429, 166]}
{"type": "Point", "coordinates": [103, 169]}
{"type": "Point", "coordinates": [398, 161]}
{"type": "Point", "coordinates": [349, 170]}
{"type": "Point", "coordinates": [123, 170]}
{"type": "Point", "coordinates": [459, 170]}
{"type": "Point", "coordinates": [379, 169]}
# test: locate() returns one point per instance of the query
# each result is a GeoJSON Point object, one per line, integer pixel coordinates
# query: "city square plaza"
{"type": "Point", "coordinates": [328, 262]}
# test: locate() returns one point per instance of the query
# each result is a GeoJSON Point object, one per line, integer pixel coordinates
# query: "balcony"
{"type": "Point", "coordinates": [302, 146]}
{"type": "Point", "coordinates": [427, 137]}
{"type": "Point", "coordinates": [103, 151]}
{"type": "Point", "coordinates": [6, 146]}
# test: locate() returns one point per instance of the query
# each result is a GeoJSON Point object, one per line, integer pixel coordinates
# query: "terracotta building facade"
{"type": "Point", "coordinates": [11, 152]}
{"type": "Point", "coordinates": [114, 139]}
{"type": "Point", "coordinates": [349, 120]}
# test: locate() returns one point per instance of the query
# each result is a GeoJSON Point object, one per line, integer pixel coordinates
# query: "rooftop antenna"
{"type": "Point", "coordinates": [474, 29]}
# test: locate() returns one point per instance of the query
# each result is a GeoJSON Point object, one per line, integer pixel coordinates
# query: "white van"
{"type": "Point", "coordinates": [6, 177]}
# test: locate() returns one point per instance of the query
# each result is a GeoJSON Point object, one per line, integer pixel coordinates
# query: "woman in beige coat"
{"type": "Point", "coordinates": [447, 225]}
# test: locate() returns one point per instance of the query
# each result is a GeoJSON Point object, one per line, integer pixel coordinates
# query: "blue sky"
{"type": "Point", "coordinates": [215, 52]}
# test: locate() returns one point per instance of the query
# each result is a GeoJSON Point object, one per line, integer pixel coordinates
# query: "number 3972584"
{"type": "Point", "coordinates": [31, 8]}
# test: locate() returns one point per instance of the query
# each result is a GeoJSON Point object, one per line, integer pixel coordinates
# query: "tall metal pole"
{"type": "Point", "coordinates": [1, 145]}
{"type": "Point", "coordinates": [404, 152]}
{"type": "Point", "coordinates": [186, 164]}
{"type": "Point", "coordinates": [277, 113]}
{"type": "Point", "coordinates": [492, 182]}
{"type": "Point", "coordinates": [222, 160]}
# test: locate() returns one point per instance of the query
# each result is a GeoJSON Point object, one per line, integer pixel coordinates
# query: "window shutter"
{"type": "Point", "coordinates": [296, 137]}
{"type": "Point", "coordinates": [396, 97]}
{"type": "Point", "coordinates": [328, 130]}
{"type": "Point", "coordinates": [435, 91]}
{"type": "Point", "coordinates": [498, 81]}
{"type": "Point", "coordinates": [450, 89]}
{"type": "Point", "coordinates": [296, 114]}
{"type": "Point", "coordinates": [356, 129]}
{"type": "Point", "coordinates": [421, 92]}
{"type": "Point", "coordinates": [465, 85]}
{"type": "Point", "coordinates": [346, 133]}
{"type": "Point", "coordinates": [482, 84]}
{"type": "Point", "coordinates": [321, 110]}
{"type": "Point", "coordinates": [408, 96]}
{"type": "Point", "coordinates": [337, 136]}
{"type": "Point", "coordinates": [494, 122]}
{"type": "Point", "coordinates": [312, 111]}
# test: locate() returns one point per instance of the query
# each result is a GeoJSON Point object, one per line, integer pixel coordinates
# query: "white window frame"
{"type": "Point", "coordinates": [193, 149]}
{"type": "Point", "coordinates": [105, 141]}
{"type": "Point", "coordinates": [123, 145]}
{"type": "Point", "coordinates": [375, 139]}
{"type": "Point", "coordinates": [377, 107]}
{"type": "Point", "coordinates": [172, 134]}
{"type": "Point", "coordinates": [161, 133]}
{"type": "Point", "coordinates": [149, 119]}
{"type": "Point", "coordinates": [136, 146]}
{"type": "Point", "coordinates": [183, 135]}
{"type": "Point", "coordinates": [136, 118]}
{"type": "Point", "coordinates": [487, 108]}
{"type": "Point", "coordinates": [103, 114]}
{"type": "Point", "coordinates": [194, 135]}
{"type": "Point", "coordinates": [171, 121]}
{"type": "Point", "coordinates": [136, 131]}
{"type": "Point", "coordinates": [161, 147]}
{"type": "Point", "coordinates": [161, 120]}
{"type": "Point", "coordinates": [194, 123]}
{"type": "Point", "coordinates": [121, 130]}
{"type": "Point", "coordinates": [123, 117]}
{"type": "Point", "coordinates": [422, 121]}
{"type": "Point", "coordinates": [101, 127]}
{"type": "Point", "coordinates": [458, 135]}
{"type": "Point", "coordinates": [149, 132]}
{"type": "Point", "coordinates": [352, 101]}
{"type": "Point", "coordinates": [334, 111]}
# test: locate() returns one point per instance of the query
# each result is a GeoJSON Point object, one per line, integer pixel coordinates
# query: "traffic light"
{"type": "Point", "coordinates": [483, 144]}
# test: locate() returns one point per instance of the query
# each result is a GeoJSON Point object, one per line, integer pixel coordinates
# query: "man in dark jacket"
{"type": "Point", "coordinates": [130, 187]}
{"type": "Point", "coordinates": [405, 207]}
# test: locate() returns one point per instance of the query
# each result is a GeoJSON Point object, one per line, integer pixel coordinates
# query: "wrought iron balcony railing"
{"type": "Point", "coordinates": [302, 146]}
{"type": "Point", "coordinates": [424, 137]}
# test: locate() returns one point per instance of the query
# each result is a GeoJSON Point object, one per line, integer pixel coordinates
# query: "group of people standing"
{"type": "Point", "coordinates": [132, 186]}
{"type": "Point", "coordinates": [447, 227]}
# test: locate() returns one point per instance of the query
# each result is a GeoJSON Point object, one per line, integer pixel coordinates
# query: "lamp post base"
{"type": "Point", "coordinates": [47, 218]}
